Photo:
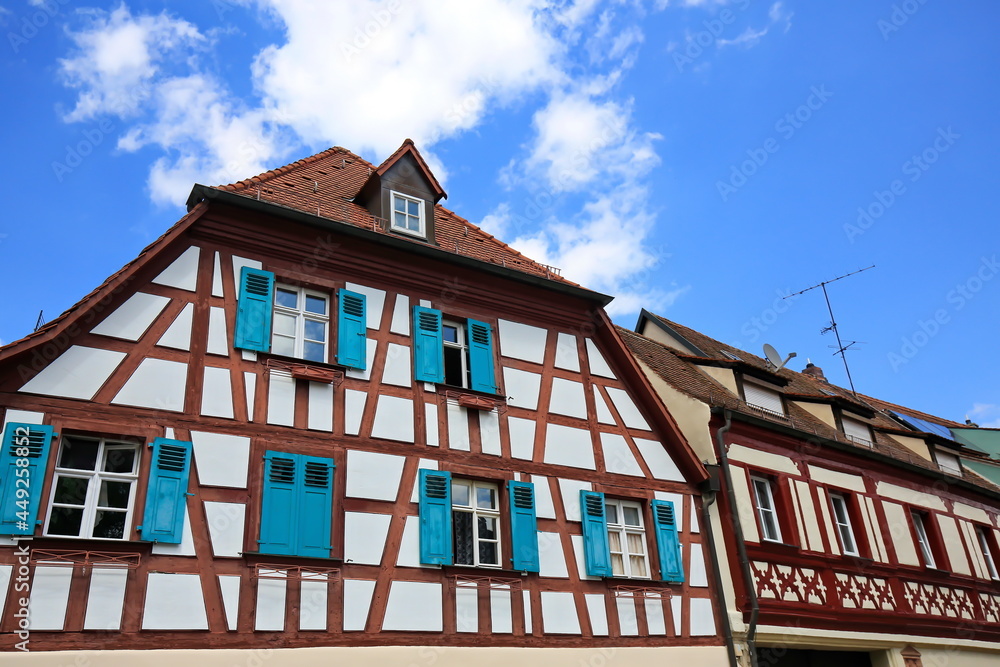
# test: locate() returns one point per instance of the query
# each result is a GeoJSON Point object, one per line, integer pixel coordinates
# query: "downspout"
{"type": "Point", "coordinates": [741, 548]}
{"type": "Point", "coordinates": [707, 500]}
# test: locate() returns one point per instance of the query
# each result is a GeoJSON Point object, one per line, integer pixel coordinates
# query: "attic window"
{"type": "Point", "coordinates": [827, 392]}
{"type": "Point", "coordinates": [764, 399]}
{"type": "Point", "coordinates": [407, 215]}
{"type": "Point", "coordinates": [730, 355]}
{"type": "Point", "coordinates": [857, 431]}
{"type": "Point", "coordinates": [948, 462]}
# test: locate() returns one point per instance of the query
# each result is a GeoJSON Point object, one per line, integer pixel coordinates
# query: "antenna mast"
{"type": "Point", "coordinates": [841, 348]}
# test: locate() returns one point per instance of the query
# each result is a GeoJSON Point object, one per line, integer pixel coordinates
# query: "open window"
{"type": "Point", "coordinates": [988, 547]}
{"type": "Point", "coordinates": [927, 539]}
{"type": "Point", "coordinates": [455, 352]}
{"type": "Point", "coordinates": [840, 505]}
{"type": "Point", "coordinates": [767, 510]}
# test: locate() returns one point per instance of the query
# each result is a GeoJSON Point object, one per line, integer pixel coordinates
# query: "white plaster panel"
{"type": "Point", "coordinates": [414, 606]}
{"type": "Point", "coordinates": [280, 398]}
{"type": "Point", "coordinates": [357, 601]}
{"type": "Point", "coordinates": [581, 558]}
{"type": "Point", "coordinates": [156, 383]}
{"type": "Point", "coordinates": [902, 537]}
{"type": "Point", "coordinates": [604, 415]}
{"type": "Point", "coordinates": [398, 368]}
{"type": "Point", "coordinates": [401, 316]}
{"type": "Point", "coordinates": [425, 303]}
{"type": "Point", "coordinates": [372, 475]}
{"type": "Point", "coordinates": [694, 526]}
{"type": "Point", "coordinates": [218, 335]}
{"type": "Point", "coordinates": [217, 289]}
{"type": "Point", "coordinates": [431, 424]}
{"type": "Point", "coordinates": [522, 341]}
{"type": "Point", "coordinates": [49, 597]}
{"type": "Point", "coordinates": [425, 464]}
{"type": "Point", "coordinates": [526, 598]}
{"type": "Point", "coordinates": [544, 509]}
{"type": "Point", "coordinates": [374, 303]}
{"type": "Point", "coordinates": [366, 374]}
{"type": "Point", "coordinates": [837, 479]}
{"type": "Point", "coordinates": [393, 419]}
{"type": "Point", "coordinates": [131, 319]}
{"type": "Point", "coordinates": [618, 457]}
{"type": "Point", "coordinates": [354, 410]}
{"type": "Point", "coordinates": [678, 501]}
{"type": "Point", "coordinates": [654, 616]}
{"type": "Point", "coordinates": [551, 559]}
{"type": "Point", "coordinates": [5, 574]}
{"type": "Point", "coordinates": [217, 393]}
{"type": "Point", "coordinates": [22, 417]}
{"type": "Point", "coordinates": [871, 522]}
{"type": "Point", "coordinates": [77, 373]}
{"type": "Point", "coordinates": [567, 355]}
{"type": "Point", "coordinates": [106, 598]}
{"type": "Point", "coordinates": [976, 514]}
{"type": "Point", "coordinates": [174, 602]}
{"type": "Point", "coordinates": [248, 355]}
{"type": "Point", "coordinates": [953, 544]}
{"type": "Point", "coordinates": [697, 576]}
{"type": "Point", "coordinates": [313, 603]}
{"type": "Point", "coordinates": [467, 610]}
{"type": "Point", "coordinates": [182, 272]}
{"type": "Point", "coordinates": [796, 510]}
{"type": "Point", "coordinates": [320, 406]}
{"type": "Point", "coordinates": [675, 613]}
{"type": "Point", "coordinates": [972, 544]}
{"type": "Point", "coordinates": [627, 409]}
{"type": "Point", "coordinates": [570, 489]}
{"type": "Point", "coordinates": [598, 366]}
{"type": "Point", "coordinates": [186, 546]}
{"type": "Point", "coordinates": [225, 526]}
{"type": "Point", "coordinates": [222, 459]}
{"type": "Point", "coordinates": [458, 427]}
{"type": "Point", "coordinates": [568, 446]}
{"type": "Point", "coordinates": [522, 437]}
{"type": "Point", "coordinates": [238, 264]}
{"type": "Point", "coordinates": [628, 621]}
{"type": "Point", "coordinates": [409, 546]}
{"type": "Point", "coordinates": [567, 398]}
{"type": "Point", "coordinates": [271, 594]}
{"type": "Point", "coordinates": [559, 614]}
{"type": "Point", "coordinates": [824, 505]}
{"type": "Point", "coordinates": [522, 388]}
{"type": "Point", "coordinates": [230, 586]}
{"type": "Point", "coordinates": [744, 505]}
{"type": "Point", "coordinates": [250, 386]}
{"type": "Point", "coordinates": [910, 496]}
{"type": "Point", "coordinates": [810, 519]}
{"type": "Point", "coordinates": [178, 334]}
{"type": "Point", "coordinates": [502, 621]}
{"type": "Point", "coordinates": [702, 619]}
{"type": "Point", "coordinates": [658, 460]}
{"type": "Point", "coordinates": [364, 537]}
{"type": "Point", "coordinates": [597, 610]}
{"type": "Point", "coordinates": [489, 432]}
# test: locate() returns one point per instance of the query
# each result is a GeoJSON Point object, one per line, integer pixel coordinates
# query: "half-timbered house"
{"type": "Point", "coordinates": [323, 419]}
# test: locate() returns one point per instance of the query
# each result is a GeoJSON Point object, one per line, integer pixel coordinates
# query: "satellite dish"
{"type": "Point", "coordinates": [774, 358]}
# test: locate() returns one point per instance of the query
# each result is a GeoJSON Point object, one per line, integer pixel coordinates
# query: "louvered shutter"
{"type": "Point", "coordinates": [597, 553]}
{"type": "Point", "coordinates": [279, 503]}
{"type": "Point", "coordinates": [166, 494]}
{"type": "Point", "coordinates": [523, 526]}
{"type": "Point", "coordinates": [667, 542]}
{"type": "Point", "coordinates": [315, 507]}
{"type": "Point", "coordinates": [351, 330]}
{"type": "Point", "coordinates": [428, 346]}
{"type": "Point", "coordinates": [481, 357]}
{"type": "Point", "coordinates": [763, 397]}
{"type": "Point", "coordinates": [435, 517]}
{"type": "Point", "coordinates": [253, 317]}
{"type": "Point", "coordinates": [22, 466]}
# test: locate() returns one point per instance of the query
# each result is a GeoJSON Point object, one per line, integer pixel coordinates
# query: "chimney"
{"type": "Point", "coordinates": [815, 371]}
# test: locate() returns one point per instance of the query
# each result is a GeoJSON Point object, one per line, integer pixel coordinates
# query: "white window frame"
{"type": "Point", "coordinates": [623, 530]}
{"type": "Point", "coordinates": [923, 540]}
{"type": "Point", "coordinates": [768, 507]}
{"type": "Point", "coordinates": [853, 428]}
{"type": "Point", "coordinates": [301, 315]}
{"type": "Point", "coordinates": [95, 477]}
{"type": "Point", "coordinates": [462, 345]}
{"type": "Point", "coordinates": [842, 522]}
{"type": "Point", "coordinates": [476, 513]}
{"type": "Point", "coordinates": [421, 218]}
{"type": "Point", "coordinates": [984, 545]}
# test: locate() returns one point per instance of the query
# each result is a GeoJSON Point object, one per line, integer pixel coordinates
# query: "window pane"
{"type": "Point", "coordinates": [286, 298]}
{"type": "Point", "coordinates": [486, 498]}
{"type": "Point", "coordinates": [65, 521]}
{"type": "Point", "coordinates": [399, 220]}
{"type": "Point", "coordinates": [638, 564]}
{"type": "Point", "coordinates": [282, 345]}
{"type": "Point", "coordinates": [315, 330]}
{"type": "Point", "coordinates": [631, 516]}
{"type": "Point", "coordinates": [413, 208]}
{"type": "Point", "coordinates": [399, 204]}
{"type": "Point", "coordinates": [839, 509]}
{"type": "Point", "coordinates": [314, 352]}
{"type": "Point", "coordinates": [487, 527]}
{"type": "Point", "coordinates": [453, 374]}
{"type": "Point", "coordinates": [488, 553]}
{"type": "Point", "coordinates": [119, 460]}
{"type": "Point", "coordinates": [284, 324]}
{"type": "Point", "coordinates": [114, 494]}
{"type": "Point", "coordinates": [460, 495]}
{"type": "Point", "coordinates": [109, 524]}
{"type": "Point", "coordinates": [71, 491]}
{"type": "Point", "coordinates": [464, 542]}
{"type": "Point", "coordinates": [315, 304]}
{"type": "Point", "coordinates": [611, 513]}
{"type": "Point", "coordinates": [78, 454]}
{"type": "Point", "coordinates": [769, 525]}
{"type": "Point", "coordinates": [617, 565]}
{"type": "Point", "coordinates": [635, 544]}
{"type": "Point", "coordinates": [614, 540]}
{"type": "Point", "coordinates": [449, 333]}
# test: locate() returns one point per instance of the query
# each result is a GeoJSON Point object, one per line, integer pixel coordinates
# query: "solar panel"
{"type": "Point", "coordinates": [923, 425]}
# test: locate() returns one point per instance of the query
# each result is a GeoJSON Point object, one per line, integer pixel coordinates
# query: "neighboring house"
{"type": "Point", "coordinates": [323, 412]}
{"type": "Point", "coordinates": [853, 533]}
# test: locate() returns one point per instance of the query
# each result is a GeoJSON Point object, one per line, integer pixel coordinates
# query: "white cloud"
{"type": "Point", "coordinates": [747, 38]}
{"type": "Point", "coordinates": [986, 415]}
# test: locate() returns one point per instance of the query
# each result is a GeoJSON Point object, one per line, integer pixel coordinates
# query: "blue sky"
{"type": "Point", "coordinates": [700, 158]}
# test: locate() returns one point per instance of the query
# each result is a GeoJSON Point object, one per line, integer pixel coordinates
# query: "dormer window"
{"type": "Point", "coordinates": [408, 215]}
{"type": "Point", "coordinates": [857, 431]}
{"type": "Point", "coordinates": [763, 398]}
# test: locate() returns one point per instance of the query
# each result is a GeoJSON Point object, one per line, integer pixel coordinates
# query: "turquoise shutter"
{"type": "Point", "coordinates": [22, 474]}
{"type": "Point", "coordinates": [351, 330]}
{"type": "Point", "coordinates": [667, 541]}
{"type": "Point", "coordinates": [595, 534]}
{"type": "Point", "coordinates": [435, 517]}
{"type": "Point", "coordinates": [253, 317]}
{"type": "Point", "coordinates": [315, 507]}
{"type": "Point", "coordinates": [523, 526]}
{"type": "Point", "coordinates": [428, 353]}
{"type": "Point", "coordinates": [481, 357]}
{"type": "Point", "coordinates": [166, 495]}
{"type": "Point", "coordinates": [279, 503]}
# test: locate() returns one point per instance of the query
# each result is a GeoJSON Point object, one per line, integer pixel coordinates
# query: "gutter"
{"type": "Point", "coordinates": [708, 496]}
{"type": "Point", "coordinates": [741, 548]}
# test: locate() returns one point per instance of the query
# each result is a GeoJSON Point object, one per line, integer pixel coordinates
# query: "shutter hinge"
{"type": "Point", "coordinates": [189, 494]}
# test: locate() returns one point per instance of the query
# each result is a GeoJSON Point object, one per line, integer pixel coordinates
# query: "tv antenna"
{"type": "Point", "coordinates": [841, 348]}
